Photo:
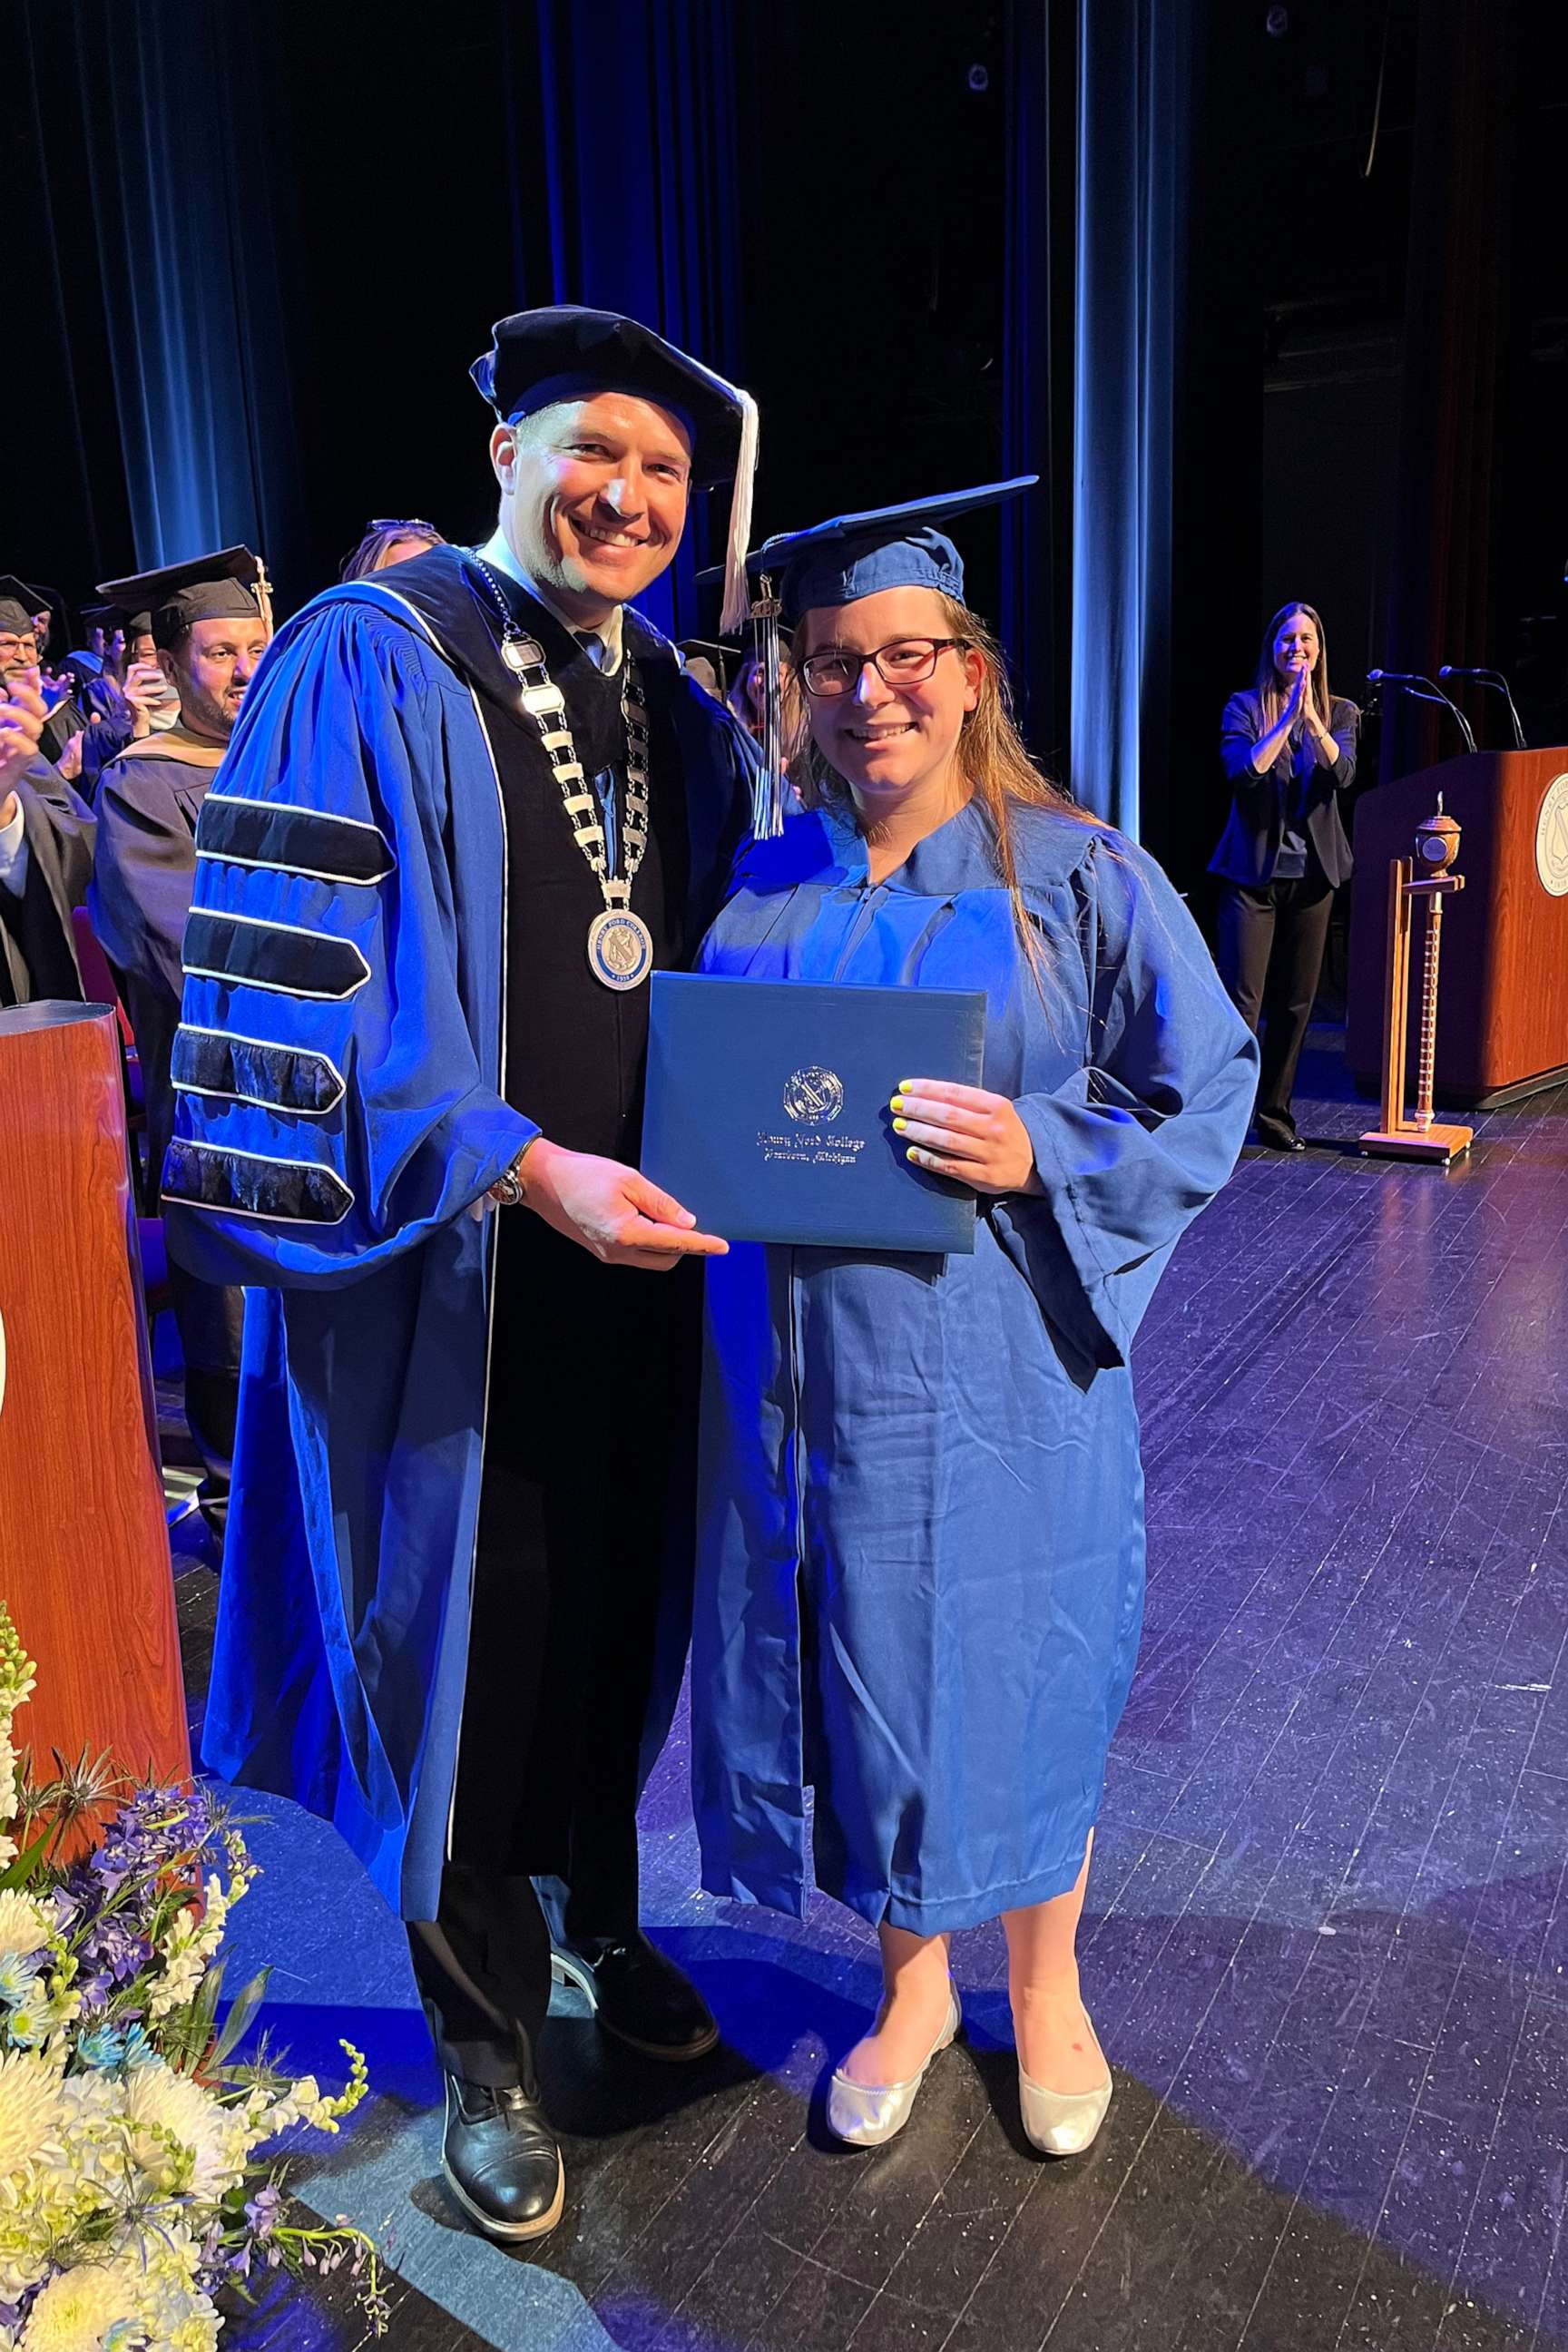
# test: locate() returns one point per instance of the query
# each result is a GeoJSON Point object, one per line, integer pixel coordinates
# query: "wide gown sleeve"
{"type": "Point", "coordinates": [1136, 1141]}
{"type": "Point", "coordinates": [142, 875]}
{"type": "Point", "coordinates": [337, 1099]}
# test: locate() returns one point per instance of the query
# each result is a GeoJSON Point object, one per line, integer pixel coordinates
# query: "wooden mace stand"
{"type": "Point", "coordinates": [1420, 1137]}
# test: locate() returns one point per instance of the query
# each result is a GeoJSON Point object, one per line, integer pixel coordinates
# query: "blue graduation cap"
{"type": "Point", "coordinates": [837, 562]}
{"type": "Point", "coordinates": [856, 555]}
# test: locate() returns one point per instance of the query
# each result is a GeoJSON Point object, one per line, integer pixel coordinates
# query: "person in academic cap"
{"type": "Point", "coordinates": [921, 1565]}
{"type": "Point", "coordinates": [473, 801]}
{"type": "Point", "coordinates": [25, 626]}
{"type": "Point", "coordinates": [45, 849]}
{"type": "Point", "coordinates": [121, 692]}
{"type": "Point", "coordinates": [210, 621]}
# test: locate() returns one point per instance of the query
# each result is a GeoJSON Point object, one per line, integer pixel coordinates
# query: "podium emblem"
{"type": "Point", "coordinates": [814, 1096]}
{"type": "Point", "coordinates": [1552, 839]}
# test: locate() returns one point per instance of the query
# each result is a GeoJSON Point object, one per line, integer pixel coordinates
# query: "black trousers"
{"type": "Point", "coordinates": [1270, 958]}
{"type": "Point", "coordinates": [211, 1322]}
{"type": "Point", "coordinates": [582, 1586]}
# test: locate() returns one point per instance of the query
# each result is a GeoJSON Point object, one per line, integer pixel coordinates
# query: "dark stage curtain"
{"type": "Point", "coordinates": [630, 200]}
{"type": "Point", "coordinates": [161, 116]}
{"type": "Point", "coordinates": [1134, 95]}
{"type": "Point", "coordinates": [1471, 128]}
{"type": "Point", "coordinates": [1037, 365]}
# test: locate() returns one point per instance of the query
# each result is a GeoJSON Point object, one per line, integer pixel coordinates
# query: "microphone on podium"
{"type": "Point", "coordinates": [1423, 690]}
{"type": "Point", "coordinates": [1499, 685]}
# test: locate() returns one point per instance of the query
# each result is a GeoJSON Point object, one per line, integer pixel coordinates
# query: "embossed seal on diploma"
{"type": "Point", "coordinates": [814, 1096]}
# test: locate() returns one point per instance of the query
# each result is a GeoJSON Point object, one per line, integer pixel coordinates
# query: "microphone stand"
{"type": "Point", "coordinates": [1498, 683]}
{"type": "Point", "coordinates": [1411, 684]}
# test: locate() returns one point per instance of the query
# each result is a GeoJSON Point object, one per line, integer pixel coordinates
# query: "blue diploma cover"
{"type": "Point", "coordinates": [767, 1112]}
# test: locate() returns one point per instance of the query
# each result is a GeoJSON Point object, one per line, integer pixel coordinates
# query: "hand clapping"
{"type": "Point", "coordinates": [22, 717]}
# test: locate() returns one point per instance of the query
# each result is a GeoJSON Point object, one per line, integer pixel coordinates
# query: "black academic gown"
{"type": "Point", "coordinates": [37, 952]}
{"type": "Point", "coordinates": [145, 864]}
{"type": "Point", "coordinates": [582, 1587]}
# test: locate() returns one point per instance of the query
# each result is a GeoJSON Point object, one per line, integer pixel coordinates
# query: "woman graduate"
{"type": "Point", "coordinates": [921, 1574]}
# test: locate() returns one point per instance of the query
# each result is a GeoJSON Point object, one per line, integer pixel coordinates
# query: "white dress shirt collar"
{"type": "Point", "coordinates": [603, 645]}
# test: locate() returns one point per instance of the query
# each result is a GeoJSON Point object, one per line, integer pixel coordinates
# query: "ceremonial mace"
{"type": "Point", "coordinates": [1427, 875]}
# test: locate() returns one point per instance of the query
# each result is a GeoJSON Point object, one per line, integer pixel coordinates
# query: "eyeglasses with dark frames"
{"type": "Point", "coordinates": [906, 661]}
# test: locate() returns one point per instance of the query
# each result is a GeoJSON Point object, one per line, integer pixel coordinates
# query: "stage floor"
{"type": "Point", "coordinates": [1326, 1945]}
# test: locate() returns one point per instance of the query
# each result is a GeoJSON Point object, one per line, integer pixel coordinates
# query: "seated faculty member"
{"type": "Point", "coordinates": [920, 1579]}
{"type": "Point", "coordinates": [472, 804]}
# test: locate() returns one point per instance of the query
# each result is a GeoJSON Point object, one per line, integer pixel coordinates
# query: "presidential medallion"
{"type": "Point", "coordinates": [620, 949]}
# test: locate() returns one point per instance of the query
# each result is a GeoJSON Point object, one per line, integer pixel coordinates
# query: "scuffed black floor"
{"type": "Point", "coordinates": [1327, 1940]}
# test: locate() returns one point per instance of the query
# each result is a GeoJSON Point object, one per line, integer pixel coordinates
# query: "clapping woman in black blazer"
{"type": "Point", "coordinates": [1288, 749]}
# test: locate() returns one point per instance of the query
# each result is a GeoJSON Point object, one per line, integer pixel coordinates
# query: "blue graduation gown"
{"type": "Point", "coordinates": [921, 1578]}
{"type": "Point", "coordinates": [339, 1107]}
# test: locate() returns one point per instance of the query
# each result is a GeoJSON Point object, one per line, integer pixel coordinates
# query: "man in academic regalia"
{"type": "Point", "coordinates": [472, 803]}
{"type": "Point", "coordinates": [26, 629]}
{"type": "Point", "coordinates": [45, 848]}
{"type": "Point", "coordinates": [210, 624]}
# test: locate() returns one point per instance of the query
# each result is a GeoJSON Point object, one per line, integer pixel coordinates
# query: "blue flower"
{"type": "Point", "coordinates": [261, 2211]}
{"type": "Point", "coordinates": [139, 2050]}
{"type": "Point", "coordinates": [18, 1974]}
{"type": "Point", "coordinates": [103, 2047]}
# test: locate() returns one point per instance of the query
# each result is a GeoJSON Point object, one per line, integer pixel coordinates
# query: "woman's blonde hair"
{"type": "Point", "coordinates": [990, 758]}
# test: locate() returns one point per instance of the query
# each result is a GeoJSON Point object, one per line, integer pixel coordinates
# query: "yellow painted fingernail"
{"type": "Point", "coordinates": [899, 1125]}
{"type": "Point", "coordinates": [897, 1103]}
{"type": "Point", "coordinates": [911, 1154]}
{"type": "Point", "coordinates": [905, 1082]}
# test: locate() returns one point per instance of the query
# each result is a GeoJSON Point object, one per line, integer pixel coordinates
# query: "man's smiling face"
{"type": "Point", "coordinates": [593, 498]}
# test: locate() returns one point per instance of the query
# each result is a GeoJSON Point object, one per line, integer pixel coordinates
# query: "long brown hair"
{"type": "Point", "coordinates": [1267, 686]}
{"type": "Point", "coordinates": [992, 759]}
{"type": "Point", "coordinates": [385, 532]}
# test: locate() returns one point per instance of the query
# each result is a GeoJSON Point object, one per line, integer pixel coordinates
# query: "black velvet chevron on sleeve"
{"type": "Point", "coordinates": [253, 954]}
{"type": "Point", "coordinates": [286, 1192]}
{"type": "Point", "coordinates": [249, 1069]}
{"type": "Point", "coordinates": [293, 841]}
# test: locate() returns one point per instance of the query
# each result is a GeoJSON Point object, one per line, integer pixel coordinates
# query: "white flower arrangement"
{"type": "Point", "coordinates": [134, 2187]}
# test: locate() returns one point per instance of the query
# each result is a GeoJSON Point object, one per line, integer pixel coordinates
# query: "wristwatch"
{"type": "Point", "coordinates": [506, 1190]}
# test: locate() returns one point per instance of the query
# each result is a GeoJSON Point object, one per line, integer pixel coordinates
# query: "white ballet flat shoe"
{"type": "Point", "coordinates": [868, 2114]}
{"type": "Point", "coordinates": [1062, 2123]}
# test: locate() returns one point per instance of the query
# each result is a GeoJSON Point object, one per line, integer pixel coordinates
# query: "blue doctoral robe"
{"type": "Point", "coordinates": [920, 1576]}
{"type": "Point", "coordinates": [338, 1069]}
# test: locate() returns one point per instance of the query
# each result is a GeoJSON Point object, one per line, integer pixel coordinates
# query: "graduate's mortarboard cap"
{"type": "Point", "coordinates": [229, 584]}
{"type": "Point", "coordinates": [854, 555]}
{"type": "Point", "coordinates": [18, 603]}
{"type": "Point", "coordinates": [837, 562]}
{"type": "Point", "coordinates": [109, 617]}
{"type": "Point", "coordinates": [568, 352]}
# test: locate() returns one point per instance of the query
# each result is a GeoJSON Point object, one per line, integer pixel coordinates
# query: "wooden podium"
{"type": "Point", "coordinates": [84, 1544]}
{"type": "Point", "coordinates": [1504, 1028]}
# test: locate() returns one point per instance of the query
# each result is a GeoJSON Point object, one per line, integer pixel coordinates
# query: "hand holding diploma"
{"type": "Point", "coordinates": [977, 1138]}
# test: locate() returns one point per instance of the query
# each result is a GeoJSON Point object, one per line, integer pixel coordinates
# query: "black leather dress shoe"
{"type": "Point", "coordinates": [640, 1996]}
{"type": "Point", "coordinates": [500, 2160]}
{"type": "Point", "coordinates": [1279, 1139]}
